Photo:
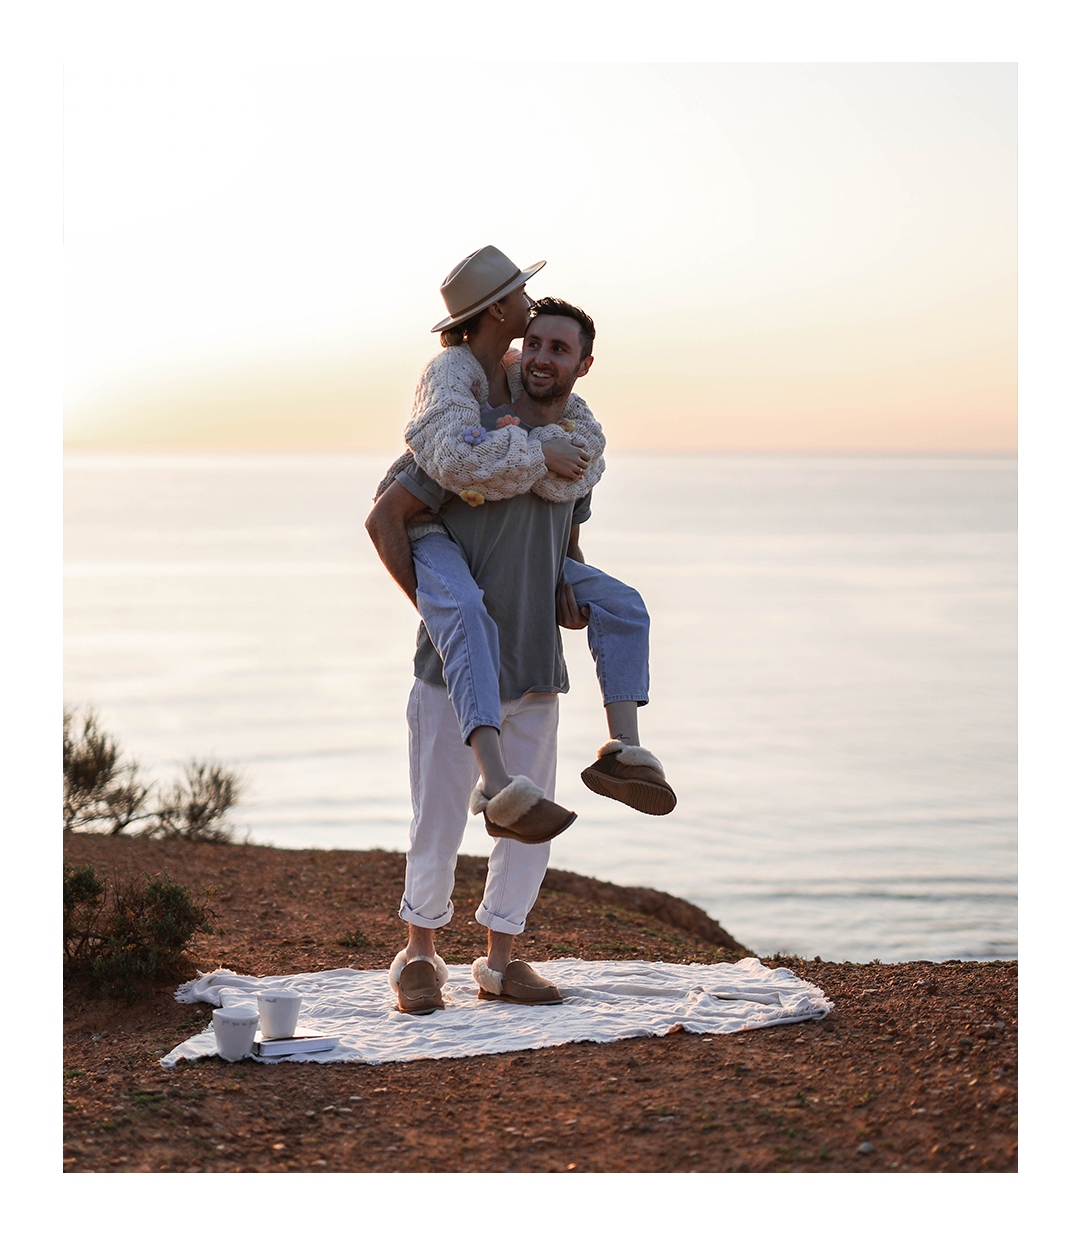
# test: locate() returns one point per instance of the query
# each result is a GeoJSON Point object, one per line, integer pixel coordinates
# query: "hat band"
{"type": "Point", "coordinates": [486, 300]}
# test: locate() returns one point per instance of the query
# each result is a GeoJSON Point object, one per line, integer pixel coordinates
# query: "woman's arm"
{"type": "Point", "coordinates": [579, 425]}
{"type": "Point", "coordinates": [448, 443]}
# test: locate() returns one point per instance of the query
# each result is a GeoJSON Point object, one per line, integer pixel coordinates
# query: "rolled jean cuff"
{"type": "Point", "coordinates": [414, 919]}
{"type": "Point", "coordinates": [488, 919]}
{"type": "Point", "coordinates": [471, 725]}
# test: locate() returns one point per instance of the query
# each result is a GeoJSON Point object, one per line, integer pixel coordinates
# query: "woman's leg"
{"type": "Point", "coordinates": [619, 642]}
{"type": "Point", "coordinates": [451, 606]}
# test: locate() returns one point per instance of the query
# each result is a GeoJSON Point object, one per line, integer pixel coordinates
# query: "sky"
{"type": "Point", "coordinates": [778, 257]}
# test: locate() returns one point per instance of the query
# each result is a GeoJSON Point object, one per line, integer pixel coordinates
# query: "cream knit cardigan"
{"type": "Point", "coordinates": [510, 460]}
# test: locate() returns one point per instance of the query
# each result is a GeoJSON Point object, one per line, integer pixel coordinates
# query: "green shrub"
{"type": "Point", "coordinates": [84, 899]}
{"type": "Point", "coordinates": [128, 936]}
{"type": "Point", "coordinates": [102, 792]}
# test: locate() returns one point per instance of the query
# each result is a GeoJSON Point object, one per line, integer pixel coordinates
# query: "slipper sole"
{"type": "Point", "coordinates": [639, 794]}
{"type": "Point", "coordinates": [509, 833]}
{"type": "Point", "coordinates": [509, 999]}
{"type": "Point", "coordinates": [420, 1012]}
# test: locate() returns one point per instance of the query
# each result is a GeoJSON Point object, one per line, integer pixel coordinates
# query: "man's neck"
{"type": "Point", "coordinates": [536, 414]}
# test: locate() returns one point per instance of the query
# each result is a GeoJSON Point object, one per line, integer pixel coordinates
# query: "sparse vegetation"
{"type": "Point", "coordinates": [104, 792]}
{"type": "Point", "coordinates": [126, 934]}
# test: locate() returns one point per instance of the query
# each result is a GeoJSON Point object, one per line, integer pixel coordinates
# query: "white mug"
{"type": "Point", "coordinates": [278, 1011]}
{"type": "Point", "coordinates": [234, 1029]}
{"type": "Point", "coordinates": [235, 997]}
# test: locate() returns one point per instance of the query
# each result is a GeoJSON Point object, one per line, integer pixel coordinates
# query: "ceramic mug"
{"type": "Point", "coordinates": [278, 1011]}
{"type": "Point", "coordinates": [234, 1029]}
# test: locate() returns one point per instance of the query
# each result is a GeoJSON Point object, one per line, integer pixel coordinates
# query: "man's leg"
{"type": "Point", "coordinates": [442, 773]}
{"type": "Point", "coordinates": [619, 642]}
{"type": "Point", "coordinates": [516, 870]}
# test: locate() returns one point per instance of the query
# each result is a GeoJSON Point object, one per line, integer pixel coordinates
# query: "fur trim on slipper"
{"type": "Point", "coordinates": [399, 963]}
{"type": "Point", "coordinates": [505, 808]}
{"type": "Point", "coordinates": [485, 977]}
{"type": "Point", "coordinates": [631, 755]}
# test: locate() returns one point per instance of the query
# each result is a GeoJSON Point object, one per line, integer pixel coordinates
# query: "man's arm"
{"type": "Point", "coordinates": [567, 612]}
{"type": "Point", "coordinates": [386, 527]}
{"type": "Point", "coordinates": [573, 547]}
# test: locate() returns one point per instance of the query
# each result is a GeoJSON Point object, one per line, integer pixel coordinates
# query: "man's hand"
{"type": "Point", "coordinates": [567, 612]}
{"type": "Point", "coordinates": [565, 458]}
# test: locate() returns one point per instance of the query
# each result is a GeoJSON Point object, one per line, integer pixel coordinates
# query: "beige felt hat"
{"type": "Point", "coordinates": [477, 281]}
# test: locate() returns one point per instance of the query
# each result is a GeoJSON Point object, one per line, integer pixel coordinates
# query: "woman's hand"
{"type": "Point", "coordinates": [565, 458]}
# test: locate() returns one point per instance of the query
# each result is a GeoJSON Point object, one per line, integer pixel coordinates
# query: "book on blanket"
{"type": "Point", "coordinates": [301, 1041]}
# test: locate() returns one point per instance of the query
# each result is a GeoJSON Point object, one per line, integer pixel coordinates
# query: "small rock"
{"type": "Point", "coordinates": [867, 1148]}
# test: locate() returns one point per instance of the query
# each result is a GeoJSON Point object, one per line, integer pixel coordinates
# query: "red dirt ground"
{"type": "Point", "coordinates": [914, 1071]}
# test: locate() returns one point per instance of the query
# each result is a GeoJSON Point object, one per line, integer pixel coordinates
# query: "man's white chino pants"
{"type": "Point", "coordinates": [443, 773]}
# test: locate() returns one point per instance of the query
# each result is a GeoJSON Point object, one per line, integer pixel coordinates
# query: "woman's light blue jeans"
{"type": "Point", "coordinates": [451, 606]}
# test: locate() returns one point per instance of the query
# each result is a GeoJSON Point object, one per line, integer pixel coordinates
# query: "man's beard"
{"type": "Point", "coordinates": [556, 392]}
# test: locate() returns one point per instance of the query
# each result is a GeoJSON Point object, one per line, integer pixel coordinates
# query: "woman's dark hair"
{"type": "Point", "coordinates": [556, 306]}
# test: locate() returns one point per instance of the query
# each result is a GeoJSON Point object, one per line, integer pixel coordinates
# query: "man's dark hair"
{"type": "Point", "coordinates": [556, 306]}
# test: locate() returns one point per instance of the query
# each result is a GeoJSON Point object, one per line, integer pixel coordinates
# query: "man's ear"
{"type": "Point", "coordinates": [586, 363]}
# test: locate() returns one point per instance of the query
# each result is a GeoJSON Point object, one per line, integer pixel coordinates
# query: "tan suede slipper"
{"type": "Point", "coordinates": [630, 774]}
{"type": "Point", "coordinates": [520, 984]}
{"type": "Point", "coordinates": [521, 812]}
{"type": "Point", "coordinates": [418, 984]}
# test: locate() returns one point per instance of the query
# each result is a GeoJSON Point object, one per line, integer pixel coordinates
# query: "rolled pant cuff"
{"type": "Point", "coordinates": [488, 919]}
{"type": "Point", "coordinates": [432, 924]}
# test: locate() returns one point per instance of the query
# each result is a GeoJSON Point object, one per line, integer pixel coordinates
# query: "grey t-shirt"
{"type": "Point", "coordinates": [515, 550]}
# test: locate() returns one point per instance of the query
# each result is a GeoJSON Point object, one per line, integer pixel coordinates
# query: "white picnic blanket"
{"type": "Point", "coordinates": [603, 1001]}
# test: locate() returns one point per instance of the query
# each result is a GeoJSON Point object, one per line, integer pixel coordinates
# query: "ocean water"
{"type": "Point", "coordinates": [833, 676]}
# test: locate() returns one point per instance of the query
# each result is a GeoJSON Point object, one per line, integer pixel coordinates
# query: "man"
{"type": "Point", "coordinates": [515, 549]}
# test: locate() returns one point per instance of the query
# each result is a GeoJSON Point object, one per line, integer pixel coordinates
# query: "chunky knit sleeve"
{"type": "Point", "coordinates": [448, 443]}
{"type": "Point", "coordinates": [577, 424]}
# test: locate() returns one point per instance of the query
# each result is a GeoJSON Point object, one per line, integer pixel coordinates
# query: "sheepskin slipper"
{"type": "Point", "coordinates": [521, 984]}
{"type": "Point", "coordinates": [418, 983]}
{"type": "Point", "coordinates": [630, 774]}
{"type": "Point", "coordinates": [521, 812]}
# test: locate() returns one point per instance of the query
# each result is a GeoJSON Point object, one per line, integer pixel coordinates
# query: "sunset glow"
{"type": "Point", "coordinates": [778, 257]}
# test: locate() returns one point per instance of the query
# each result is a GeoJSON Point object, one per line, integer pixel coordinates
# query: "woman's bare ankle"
{"type": "Point", "coordinates": [486, 745]}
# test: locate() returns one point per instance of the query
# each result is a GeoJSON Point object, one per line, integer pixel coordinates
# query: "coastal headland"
{"type": "Point", "coordinates": [913, 1071]}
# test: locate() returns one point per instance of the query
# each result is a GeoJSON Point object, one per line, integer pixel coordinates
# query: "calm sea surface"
{"type": "Point", "coordinates": [833, 676]}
